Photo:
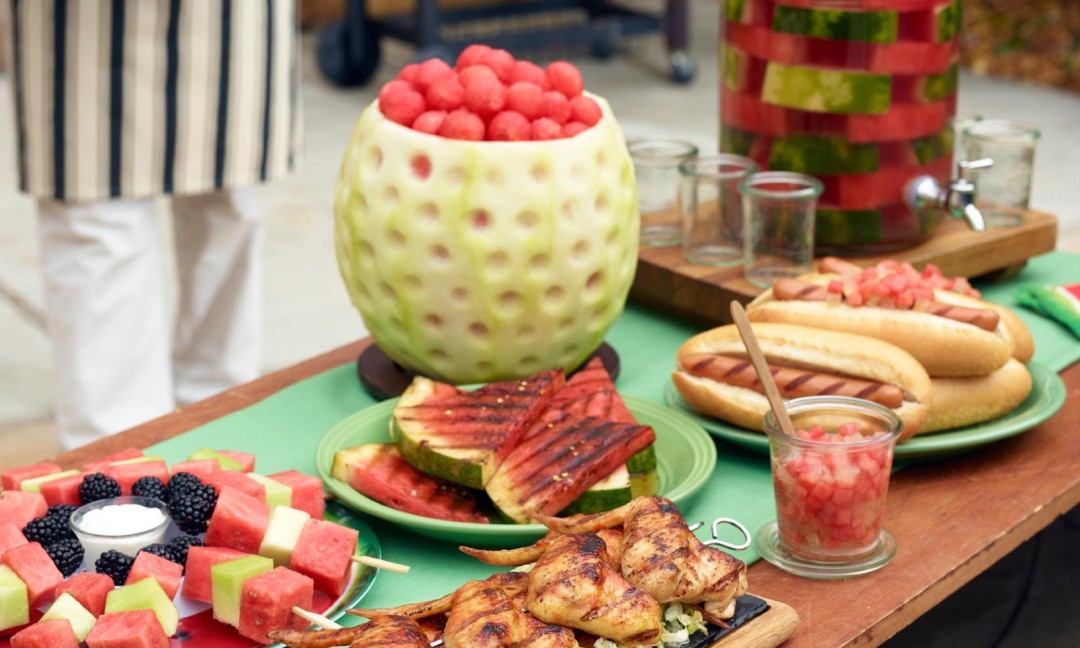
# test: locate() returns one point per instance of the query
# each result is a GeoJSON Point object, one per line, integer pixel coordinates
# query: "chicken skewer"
{"type": "Point", "coordinates": [664, 558]}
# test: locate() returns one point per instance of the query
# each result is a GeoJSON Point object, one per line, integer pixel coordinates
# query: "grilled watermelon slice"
{"type": "Point", "coordinates": [379, 471]}
{"type": "Point", "coordinates": [561, 456]}
{"type": "Point", "coordinates": [590, 392]}
{"type": "Point", "coordinates": [463, 436]}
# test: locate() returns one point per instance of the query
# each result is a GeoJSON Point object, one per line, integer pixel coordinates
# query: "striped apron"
{"type": "Point", "coordinates": [142, 98]}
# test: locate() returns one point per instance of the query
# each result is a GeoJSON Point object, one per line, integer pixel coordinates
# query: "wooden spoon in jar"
{"type": "Point", "coordinates": [757, 358]}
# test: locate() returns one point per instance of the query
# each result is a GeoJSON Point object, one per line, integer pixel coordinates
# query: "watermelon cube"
{"type": "Point", "coordinates": [307, 492]}
{"type": "Point", "coordinates": [145, 595]}
{"type": "Point", "coordinates": [64, 490]}
{"type": "Point", "coordinates": [131, 629]}
{"type": "Point", "coordinates": [227, 583]}
{"type": "Point", "coordinates": [197, 570]}
{"type": "Point", "coordinates": [51, 633]}
{"type": "Point", "coordinates": [164, 571]}
{"type": "Point", "coordinates": [282, 533]}
{"type": "Point", "coordinates": [12, 478]}
{"type": "Point", "coordinates": [100, 464]}
{"type": "Point", "coordinates": [245, 459]}
{"type": "Point", "coordinates": [275, 493]}
{"type": "Point", "coordinates": [226, 463]}
{"type": "Point", "coordinates": [14, 600]}
{"type": "Point", "coordinates": [31, 564]}
{"type": "Point", "coordinates": [231, 479]}
{"type": "Point", "coordinates": [324, 552]}
{"type": "Point", "coordinates": [197, 468]}
{"type": "Point", "coordinates": [239, 521]}
{"type": "Point", "coordinates": [19, 507]}
{"type": "Point", "coordinates": [10, 536]}
{"type": "Point", "coordinates": [267, 601]}
{"type": "Point", "coordinates": [129, 473]}
{"type": "Point", "coordinates": [70, 610]}
{"type": "Point", "coordinates": [89, 589]}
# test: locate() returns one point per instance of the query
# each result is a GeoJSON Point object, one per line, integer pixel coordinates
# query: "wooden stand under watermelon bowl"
{"type": "Point", "coordinates": [668, 281]}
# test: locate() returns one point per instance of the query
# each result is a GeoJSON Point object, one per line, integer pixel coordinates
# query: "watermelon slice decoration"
{"type": "Point", "coordinates": [559, 459]}
{"type": "Point", "coordinates": [463, 436]}
{"type": "Point", "coordinates": [379, 471]}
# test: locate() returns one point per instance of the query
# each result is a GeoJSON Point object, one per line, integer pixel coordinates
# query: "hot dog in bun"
{"type": "Point", "coordinates": [714, 375]}
{"type": "Point", "coordinates": [959, 402]}
{"type": "Point", "coordinates": [951, 334]}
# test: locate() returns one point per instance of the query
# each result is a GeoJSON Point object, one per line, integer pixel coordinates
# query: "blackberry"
{"type": "Point", "coordinates": [62, 511]}
{"type": "Point", "coordinates": [150, 486]}
{"type": "Point", "coordinates": [98, 487]}
{"type": "Point", "coordinates": [115, 565]}
{"type": "Point", "coordinates": [191, 509]}
{"type": "Point", "coordinates": [162, 551]}
{"type": "Point", "coordinates": [67, 555]}
{"type": "Point", "coordinates": [47, 530]}
{"type": "Point", "coordinates": [182, 482]}
{"type": "Point", "coordinates": [181, 544]}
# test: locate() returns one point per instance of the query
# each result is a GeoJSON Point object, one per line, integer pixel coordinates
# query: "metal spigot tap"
{"type": "Point", "coordinates": [957, 200]}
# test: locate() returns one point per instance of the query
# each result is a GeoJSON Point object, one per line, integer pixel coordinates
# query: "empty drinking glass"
{"type": "Point", "coordinates": [1002, 191]}
{"type": "Point", "coordinates": [712, 211]}
{"type": "Point", "coordinates": [778, 211]}
{"type": "Point", "coordinates": [656, 168]}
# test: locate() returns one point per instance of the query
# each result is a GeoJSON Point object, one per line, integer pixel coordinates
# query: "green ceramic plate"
{"type": "Point", "coordinates": [1046, 397]}
{"type": "Point", "coordinates": [685, 457]}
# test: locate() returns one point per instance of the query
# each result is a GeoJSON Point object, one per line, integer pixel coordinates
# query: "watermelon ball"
{"type": "Point", "coordinates": [431, 71]}
{"type": "Point", "coordinates": [485, 97]}
{"type": "Point", "coordinates": [501, 61]}
{"type": "Point", "coordinates": [402, 106]}
{"type": "Point", "coordinates": [530, 72]}
{"type": "Point", "coordinates": [556, 106]}
{"type": "Point", "coordinates": [429, 122]}
{"type": "Point", "coordinates": [573, 128]}
{"type": "Point", "coordinates": [546, 129]}
{"type": "Point", "coordinates": [394, 87]}
{"type": "Point", "coordinates": [473, 72]}
{"type": "Point", "coordinates": [509, 126]}
{"type": "Point", "coordinates": [472, 55]}
{"type": "Point", "coordinates": [463, 125]}
{"type": "Point", "coordinates": [526, 98]}
{"type": "Point", "coordinates": [408, 73]}
{"type": "Point", "coordinates": [585, 110]}
{"type": "Point", "coordinates": [445, 94]}
{"type": "Point", "coordinates": [566, 78]}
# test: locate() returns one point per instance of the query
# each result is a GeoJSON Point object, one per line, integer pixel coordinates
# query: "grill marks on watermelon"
{"type": "Point", "coordinates": [560, 458]}
{"type": "Point", "coordinates": [379, 471]}
{"type": "Point", "coordinates": [590, 392]}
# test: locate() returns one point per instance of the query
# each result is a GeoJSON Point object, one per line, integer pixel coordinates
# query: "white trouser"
{"type": "Point", "coordinates": [105, 297]}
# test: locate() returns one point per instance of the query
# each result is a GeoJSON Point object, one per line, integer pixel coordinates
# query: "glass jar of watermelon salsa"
{"type": "Point", "coordinates": [859, 93]}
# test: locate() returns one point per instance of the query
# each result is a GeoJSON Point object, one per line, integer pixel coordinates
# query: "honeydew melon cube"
{"type": "Point", "coordinates": [14, 600]}
{"type": "Point", "coordinates": [225, 462]}
{"type": "Point", "coordinates": [227, 583]}
{"type": "Point", "coordinates": [277, 494]}
{"type": "Point", "coordinates": [66, 607]}
{"type": "Point", "coordinates": [282, 533]}
{"type": "Point", "coordinates": [34, 485]}
{"type": "Point", "coordinates": [145, 595]}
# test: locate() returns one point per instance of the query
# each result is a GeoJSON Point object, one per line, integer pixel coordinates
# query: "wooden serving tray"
{"type": "Point", "coordinates": [667, 281]}
{"type": "Point", "coordinates": [772, 628]}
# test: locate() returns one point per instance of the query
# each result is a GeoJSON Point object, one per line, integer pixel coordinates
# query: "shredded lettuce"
{"type": "Point", "coordinates": [679, 623]}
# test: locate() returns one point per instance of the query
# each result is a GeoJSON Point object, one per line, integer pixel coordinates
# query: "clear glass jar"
{"type": "Point", "coordinates": [859, 93]}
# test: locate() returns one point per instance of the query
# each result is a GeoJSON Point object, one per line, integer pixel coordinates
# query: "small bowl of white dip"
{"type": "Point", "coordinates": [125, 524]}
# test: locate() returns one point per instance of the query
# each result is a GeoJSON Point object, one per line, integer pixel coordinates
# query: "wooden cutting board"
{"type": "Point", "coordinates": [771, 628]}
{"type": "Point", "coordinates": [666, 280]}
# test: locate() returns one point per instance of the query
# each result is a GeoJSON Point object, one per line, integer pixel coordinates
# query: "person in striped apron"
{"type": "Point", "coordinates": [119, 103]}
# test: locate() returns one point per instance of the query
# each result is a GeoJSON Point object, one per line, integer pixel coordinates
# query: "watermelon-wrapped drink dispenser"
{"type": "Point", "coordinates": [860, 94]}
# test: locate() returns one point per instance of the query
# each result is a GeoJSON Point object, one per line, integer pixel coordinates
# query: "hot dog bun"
{"type": "Point", "coordinates": [945, 347]}
{"type": "Point", "coordinates": [799, 346]}
{"type": "Point", "coordinates": [958, 402]}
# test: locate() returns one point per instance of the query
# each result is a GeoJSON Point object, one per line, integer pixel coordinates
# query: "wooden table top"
{"type": "Point", "coordinates": [952, 519]}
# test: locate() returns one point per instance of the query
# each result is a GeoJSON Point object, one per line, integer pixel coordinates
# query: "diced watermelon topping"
{"type": "Point", "coordinates": [37, 571]}
{"type": "Point", "coordinates": [197, 584]}
{"type": "Point", "coordinates": [898, 284]}
{"type": "Point", "coordinates": [19, 507]}
{"type": "Point", "coordinates": [51, 633]}
{"type": "Point", "coordinates": [324, 552]}
{"type": "Point", "coordinates": [832, 501]}
{"type": "Point", "coordinates": [89, 589]}
{"type": "Point", "coordinates": [164, 571]}
{"type": "Point", "coordinates": [267, 601]}
{"type": "Point", "coordinates": [464, 102]}
{"type": "Point", "coordinates": [12, 478]}
{"type": "Point", "coordinates": [379, 471]}
{"type": "Point", "coordinates": [239, 521]}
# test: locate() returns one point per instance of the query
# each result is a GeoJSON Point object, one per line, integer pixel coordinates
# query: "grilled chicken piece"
{"type": "Point", "coordinates": [663, 557]}
{"type": "Point", "coordinates": [576, 584]}
{"type": "Point", "coordinates": [380, 632]}
{"type": "Point", "coordinates": [491, 614]}
{"type": "Point", "coordinates": [613, 538]}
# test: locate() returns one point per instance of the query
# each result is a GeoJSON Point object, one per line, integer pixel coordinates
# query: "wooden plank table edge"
{"type": "Point", "coordinates": [768, 630]}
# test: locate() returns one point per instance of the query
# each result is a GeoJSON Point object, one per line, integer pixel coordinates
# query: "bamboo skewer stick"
{"type": "Point", "coordinates": [315, 619]}
{"type": "Point", "coordinates": [757, 358]}
{"type": "Point", "coordinates": [379, 563]}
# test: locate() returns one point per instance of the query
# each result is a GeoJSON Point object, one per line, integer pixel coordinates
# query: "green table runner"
{"type": "Point", "coordinates": [284, 430]}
